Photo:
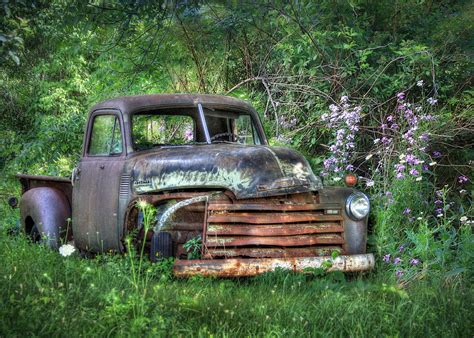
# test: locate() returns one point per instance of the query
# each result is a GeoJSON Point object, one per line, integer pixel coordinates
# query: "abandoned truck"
{"type": "Point", "coordinates": [204, 162]}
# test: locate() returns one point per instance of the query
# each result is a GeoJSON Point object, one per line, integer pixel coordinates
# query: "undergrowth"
{"type": "Point", "coordinates": [46, 294]}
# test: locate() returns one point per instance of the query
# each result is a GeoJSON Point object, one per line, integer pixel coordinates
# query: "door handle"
{"type": "Point", "coordinates": [75, 175]}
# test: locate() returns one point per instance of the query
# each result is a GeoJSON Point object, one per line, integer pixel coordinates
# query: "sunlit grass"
{"type": "Point", "coordinates": [45, 294]}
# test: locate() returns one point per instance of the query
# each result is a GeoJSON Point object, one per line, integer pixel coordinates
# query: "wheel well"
{"type": "Point", "coordinates": [29, 224]}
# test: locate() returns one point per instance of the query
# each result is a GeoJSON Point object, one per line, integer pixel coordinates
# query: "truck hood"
{"type": "Point", "coordinates": [247, 171]}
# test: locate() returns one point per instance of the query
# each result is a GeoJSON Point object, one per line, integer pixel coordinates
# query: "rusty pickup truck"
{"type": "Point", "coordinates": [204, 162]}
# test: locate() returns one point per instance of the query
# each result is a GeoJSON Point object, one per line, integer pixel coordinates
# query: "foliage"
{"type": "Point", "coordinates": [382, 89]}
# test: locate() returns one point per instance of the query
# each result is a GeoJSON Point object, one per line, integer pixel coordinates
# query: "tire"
{"type": "Point", "coordinates": [161, 246]}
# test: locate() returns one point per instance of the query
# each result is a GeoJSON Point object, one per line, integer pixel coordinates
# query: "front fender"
{"type": "Point", "coordinates": [355, 232]}
{"type": "Point", "coordinates": [48, 209]}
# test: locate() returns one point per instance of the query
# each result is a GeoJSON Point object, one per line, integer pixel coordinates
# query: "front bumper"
{"type": "Point", "coordinates": [244, 267]}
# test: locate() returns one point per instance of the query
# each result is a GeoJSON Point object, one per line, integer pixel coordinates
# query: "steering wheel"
{"type": "Point", "coordinates": [217, 136]}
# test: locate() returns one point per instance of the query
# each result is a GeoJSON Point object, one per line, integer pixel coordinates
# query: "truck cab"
{"type": "Point", "coordinates": [204, 163]}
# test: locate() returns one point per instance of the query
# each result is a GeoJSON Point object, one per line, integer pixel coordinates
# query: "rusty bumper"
{"type": "Point", "coordinates": [250, 267]}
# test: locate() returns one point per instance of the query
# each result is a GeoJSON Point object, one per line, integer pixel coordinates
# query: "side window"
{"type": "Point", "coordinates": [106, 137]}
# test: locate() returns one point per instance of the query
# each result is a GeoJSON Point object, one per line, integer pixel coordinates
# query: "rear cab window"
{"type": "Point", "coordinates": [153, 130]}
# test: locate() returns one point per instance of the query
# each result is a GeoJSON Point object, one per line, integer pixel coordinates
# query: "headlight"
{"type": "Point", "coordinates": [357, 206]}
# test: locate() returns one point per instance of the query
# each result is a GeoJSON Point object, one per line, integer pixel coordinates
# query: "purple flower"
{"type": "Point", "coordinates": [401, 96]}
{"type": "Point", "coordinates": [397, 260]}
{"type": "Point", "coordinates": [390, 118]}
{"type": "Point", "coordinates": [188, 135]}
{"type": "Point", "coordinates": [438, 202]}
{"type": "Point", "coordinates": [424, 137]}
{"type": "Point", "coordinates": [386, 258]}
{"type": "Point", "coordinates": [399, 167]}
{"type": "Point", "coordinates": [436, 154]}
{"type": "Point", "coordinates": [401, 248]}
{"type": "Point", "coordinates": [463, 179]}
{"type": "Point", "coordinates": [399, 273]}
{"type": "Point", "coordinates": [414, 172]}
{"type": "Point", "coordinates": [406, 211]}
{"type": "Point", "coordinates": [400, 176]}
{"type": "Point", "coordinates": [414, 261]}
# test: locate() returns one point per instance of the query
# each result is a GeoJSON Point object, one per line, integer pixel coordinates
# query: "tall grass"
{"type": "Point", "coordinates": [45, 294]}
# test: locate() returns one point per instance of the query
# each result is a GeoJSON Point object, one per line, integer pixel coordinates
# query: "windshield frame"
{"type": "Point", "coordinates": [201, 123]}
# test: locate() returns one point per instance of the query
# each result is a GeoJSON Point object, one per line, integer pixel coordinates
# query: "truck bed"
{"type": "Point", "coordinates": [36, 181]}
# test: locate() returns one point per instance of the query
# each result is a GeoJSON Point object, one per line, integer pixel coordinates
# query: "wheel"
{"type": "Point", "coordinates": [161, 246]}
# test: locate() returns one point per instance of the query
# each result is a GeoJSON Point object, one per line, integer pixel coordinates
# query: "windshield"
{"type": "Point", "coordinates": [185, 126]}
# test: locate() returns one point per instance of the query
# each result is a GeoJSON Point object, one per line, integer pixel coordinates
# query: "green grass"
{"type": "Point", "coordinates": [44, 294]}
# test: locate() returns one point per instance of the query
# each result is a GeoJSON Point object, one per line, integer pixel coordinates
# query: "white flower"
{"type": "Point", "coordinates": [433, 163]}
{"type": "Point", "coordinates": [66, 250]}
{"type": "Point", "coordinates": [462, 191]}
{"type": "Point", "coordinates": [336, 179]}
{"type": "Point", "coordinates": [377, 140]}
{"type": "Point", "coordinates": [419, 179]}
{"type": "Point", "coordinates": [419, 83]}
{"type": "Point", "coordinates": [419, 218]}
{"type": "Point", "coordinates": [368, 157]}
{"type": "Point", "coordinates": [463, 219]}
{"type": "Point", "coordinates": [432, 101]}
{"type": "Point", "coordinates": [370, 183]}
{"type": "Point", "coordinates": [402, 156]}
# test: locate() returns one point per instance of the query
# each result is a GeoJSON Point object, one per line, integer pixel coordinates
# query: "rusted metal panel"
{"type": "Point", "coordinates": [273, 229]}
{"type": "Point", "coordinates": [246, 267]}
{"type": "Point", "coordinates": [302, 240]}
{"type": "Point", "coordinates": [313, 251]}
{"type": "Point", "coordinates": [271, 218]}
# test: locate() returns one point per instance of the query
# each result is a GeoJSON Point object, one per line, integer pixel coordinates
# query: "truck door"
{"type": "Point", "coordinates": [96, 183]}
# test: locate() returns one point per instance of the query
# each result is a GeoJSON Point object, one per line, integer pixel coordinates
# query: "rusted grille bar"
{"type": "Point", "coordinates": [271, 228]}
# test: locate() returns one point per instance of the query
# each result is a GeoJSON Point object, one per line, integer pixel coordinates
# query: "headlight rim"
{"type": "Point", "coordinates": [349, 202]}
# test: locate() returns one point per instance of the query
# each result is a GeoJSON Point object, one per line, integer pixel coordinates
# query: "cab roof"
{"type": "Point", "coordinates": [131, 104]}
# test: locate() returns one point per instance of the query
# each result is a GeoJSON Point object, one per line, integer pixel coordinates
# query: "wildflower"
{"type": "Point", "coordinates": [400, 176]}
{"type": "Point", "coordinates": [432, 163]}
{"type": "Point", "coordinates": [344, 99]}
{"type": "Point", "coordinates": [386, 258]}
{"type": "Point", "coordinates": [414, 261]}
{"type": "Point", "coordinates": [401, 248]}
{"type": "Point", "coordinates": [377, 140]}
{"type": "Point", "coordinates": [419, 83]}
{"type": "Point", "coordinates": [463, 191]}
{"type": "Point", "coordinates": [399, 273]}
{"type": "Point", "coordinates": [462, 179]}
{"type": "Point", "coordinates": [397, 260]}
{"type": "Point", "coordinates": [336, 179]}
{"type": "Point", "coordinates": [188, 135]}
{"type": "Point", "coordinates": [463, 219]}
{"type": "Point", "coordinates": [419, 218]}
{"type": "Point", "coordinates": [418, 179]}
{"type": "Point", "coordinates": [350, 167]}
{"type": "Point", "coordinates": [432, 101]}
{"type": "Point", "coordinates": [400, 96]}
{"type": "Point", "coordinates": [406, 211]}
{"type": "Point", "coordinates": [436, 154]}
{"type": "Point", "coordinates": [370, 183]}
{"type": "Point", "coordinates": [368, 157]}
{"type": "Point", "coordinates": [66, 250]}
{"type": "Point", "coordinates": [414, 172]}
